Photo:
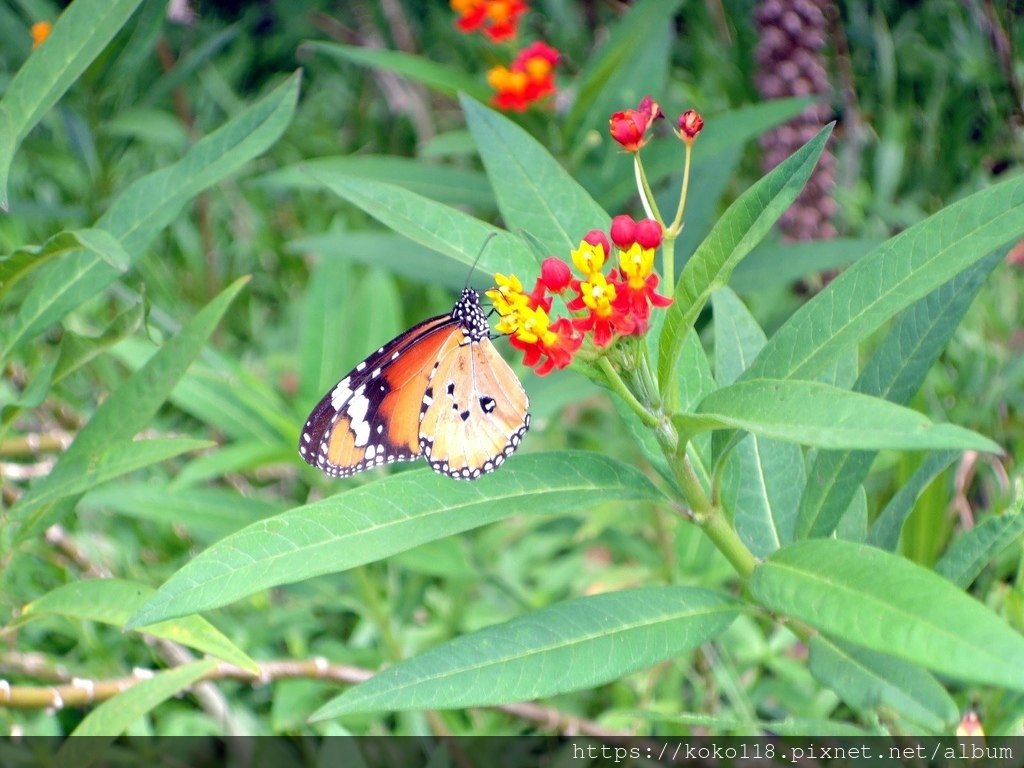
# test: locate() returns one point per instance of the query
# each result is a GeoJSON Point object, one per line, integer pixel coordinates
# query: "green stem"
{"type": "Point", "coordinates": [668, 264]}
{"type": "Point", "coordinates": [709, 516]}
{"type": "Point", "coordinates": [677, 222]}
{"type": "Point", "coordinates": [646, 196]}
{"type": "Point", "coordinates": [618, 386]}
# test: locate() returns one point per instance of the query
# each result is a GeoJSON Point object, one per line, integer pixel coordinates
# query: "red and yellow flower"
{"type": "Point", "coordinates": [530, 78]}
{"type": "Point", "coordinates": [604, 307]}
{"type": "Point", "coordinates": [498, 19]}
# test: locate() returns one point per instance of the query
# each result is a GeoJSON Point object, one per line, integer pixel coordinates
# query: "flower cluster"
{"type": "Point", "coordinates": [604, 307]}
{"type": "Point", "coordinates": [529, 79]}
{"type": "Point", "coordinates": [498, 19]}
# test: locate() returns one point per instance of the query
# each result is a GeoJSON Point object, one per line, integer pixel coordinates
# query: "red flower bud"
{"type": "Point", "coordinates": [690, 124]}
{"type": "Point", "coordinates": [596, 237]}
{"type": "Point", "coordinates": [623, 231]}
{"type": "Point", "coordinates": [628, 129]}
{"type": "Point", "coordinates": [648, 233]}
{"type": "Point", "coordinates": [555, 274]}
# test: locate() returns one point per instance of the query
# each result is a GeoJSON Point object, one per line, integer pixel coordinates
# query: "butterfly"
{"type": "Point", "coordinates": [439, 390]}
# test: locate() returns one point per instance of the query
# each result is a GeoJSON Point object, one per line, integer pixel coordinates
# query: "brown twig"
{"type": "Point", "coordinates": [985, 16]}
{"type": "Point", "coordinates": [77, 692]}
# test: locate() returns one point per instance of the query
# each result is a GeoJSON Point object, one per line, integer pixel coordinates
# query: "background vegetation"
{"type": "Point", "coordinates": [929, 114]}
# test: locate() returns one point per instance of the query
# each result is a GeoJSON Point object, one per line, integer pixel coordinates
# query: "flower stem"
{"type": "Point", "coordinates": [677, 222]}
{"type": "Point", "coordinates": [646, 196]}
{"type": "Point", "coordinates": [618, 386]}
{"type": "Point", "coordinates": [668, 264]}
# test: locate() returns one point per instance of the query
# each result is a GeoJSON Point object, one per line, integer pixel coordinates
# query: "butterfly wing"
{"type": "Point", "coordinates": [474, 411]}
{"type": "Point", "coordinates": [371, 417]}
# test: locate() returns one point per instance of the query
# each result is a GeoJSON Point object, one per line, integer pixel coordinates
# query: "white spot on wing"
{"type": "Point", "coordinates": [356, 412]}
{"type": "Point", "coordinates": [341, 393]}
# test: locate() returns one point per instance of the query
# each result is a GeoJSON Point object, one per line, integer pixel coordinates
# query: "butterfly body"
{"type": "Point", "coordinates": [439, 390]}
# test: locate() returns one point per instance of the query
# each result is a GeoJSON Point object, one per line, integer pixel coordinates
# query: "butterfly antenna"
{"type": "Point", "coordinates": [476, 261]}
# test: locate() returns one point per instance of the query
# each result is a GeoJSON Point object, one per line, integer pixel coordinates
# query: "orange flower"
{"type": "Point", "coordinates": [529, 79]}
{"type": "Point", "coordinates": [498, 19]}
{"type": "Point", "coordinates": [40, 31]}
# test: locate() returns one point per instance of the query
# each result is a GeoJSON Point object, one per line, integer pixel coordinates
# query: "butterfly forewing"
{"type": "Point", "coordinates": [365, 420]}
{"type": "Point", "coordinates": [475, 412]}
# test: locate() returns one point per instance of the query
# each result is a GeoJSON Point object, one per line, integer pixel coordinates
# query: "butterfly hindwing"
{"type": "Point", "coordinates": [475, 412]}
{"type": "Point", "coordinates": [370, 417]}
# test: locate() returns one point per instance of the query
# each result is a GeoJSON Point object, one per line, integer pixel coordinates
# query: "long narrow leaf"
{"type": "Point", "coordinates": [885, 603]}
{"type": "Point", "coordinates": [535, 193]}
{"type": "Point", "coordinates": [78, 37]}
{"type": "Point", "coordinates": [129, 409]}
{"type": "Point", "coordinates": [112, 601]}
{"type": "Point", "coordinates": [816, 414]}
{"type": "Point", "coordinates": [895, 372]}
{"type": "Point", "coordinates": [384, 518]}
{"type": "Point", "coordinates": [739, 229]}
{"type": "Point", "coordinates": [565, 647]}
{"type": "Point", "coordinates": [147, 206]}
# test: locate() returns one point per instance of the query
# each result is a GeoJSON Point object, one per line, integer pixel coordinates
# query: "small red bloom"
{"type": "Point", "coordinates": [629, 126]}
{"type": "Point", "coordinates": [555, 274]}
{"type": "Point", "coordinates": [648, 233]}
{"type": "Point", "coordinates": [557, 341]}
{"type": "Point", "coordinates": [690, 124]}
{"type": "Point", "coordinates": [623, 231]}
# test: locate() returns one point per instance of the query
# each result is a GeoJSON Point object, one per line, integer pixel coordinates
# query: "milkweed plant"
{"type": "Point", "coordinates": [748, 448]}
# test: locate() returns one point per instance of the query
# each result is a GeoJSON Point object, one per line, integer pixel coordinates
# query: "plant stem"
{"type": "Point", "coordinates": [646, 196]}
{"type": "Point", "coordinates": [668, 264]}
{"type": "Point", "coordinates": [618, 386]}
{"type": "Point", "coordinates": [677, 222]}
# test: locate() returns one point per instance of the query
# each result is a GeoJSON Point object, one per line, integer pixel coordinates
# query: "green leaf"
{"type": "Point", "coordinates": [891, 278]}
{"type": "Point", "coordinates": [444, 183]}
{"type": "Point", "coordinates": [147, 206]}
{"type": "Point", "coordinates": [383, 518]}
{"type": "Point", "coordinates": [79, 36]}
{"type": "Point", "coordinates": [885, 531]}
{"type": "Point", "coordinates": [778, 265]}
{"type": "Point", "coordinates": [974, 549]}
{"type": "Point", "coordinates": [84, 471]}
{"type": "Point", "coordinates": [568, 646]}
{"type": "Point", "coordinates": [112, 601]}
{"type": "Point", "coordinates": [111, 718]}
{"type": "Point", "coordinates": [440, 227]}
{"type": "Point", "coordinates": [867, 680]}
{"type": "Point", "coordinates": [885, 603]}
{"type": "Point", "coordinates": [395, 253]}
{"type": "Point", "coordinates": [739, 229]}
{"type": "Point", "coordinates": [762, 478]}
{"type": "Point", "coordinates": [78, 351]}
{"type": "Point", "coordinates": [127, 411]}
{"type": "Point", "coordinates": [535, 193]}
{"type": "Point", "coordinates": [816, 414]}
{"type": "Point", "coordinates": [447, 80]}
{"type": "Point", "coordinates": [895, 372]}
{"type": "Point", "coordinates": [632, 63]}
{"type": "Point", "coordinates": [206, 513]}
{"type": "Point", "coordinates": [19, 263]}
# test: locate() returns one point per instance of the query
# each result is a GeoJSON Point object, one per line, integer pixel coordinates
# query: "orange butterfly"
{"type": "Point", "coordinates": [439, 390]}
